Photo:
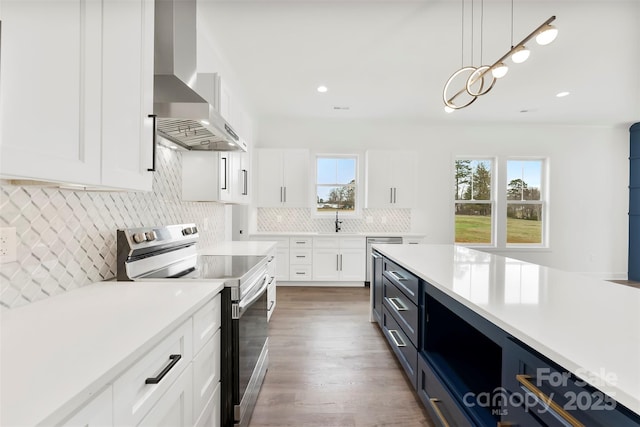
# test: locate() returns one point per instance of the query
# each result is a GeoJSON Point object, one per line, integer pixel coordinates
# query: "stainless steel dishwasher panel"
{"type": "Point", "coordinates": [378, 240]}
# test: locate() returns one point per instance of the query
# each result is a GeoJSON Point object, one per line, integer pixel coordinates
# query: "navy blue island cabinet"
{"type": "Point", "coordinates": [634, 203]}
{"type": "Point", "coordinates": [469, 372]}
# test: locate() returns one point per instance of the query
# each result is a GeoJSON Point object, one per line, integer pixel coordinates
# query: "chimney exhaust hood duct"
{"type": "Point", "coordinates": [184, 117]}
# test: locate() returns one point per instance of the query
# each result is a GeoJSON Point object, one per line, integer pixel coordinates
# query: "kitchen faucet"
{"type": "Point", "coordinates": [337, 223]}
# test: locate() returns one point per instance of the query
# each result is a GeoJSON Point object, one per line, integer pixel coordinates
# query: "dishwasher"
{"type": "Point", "coordinates": [373, 241]}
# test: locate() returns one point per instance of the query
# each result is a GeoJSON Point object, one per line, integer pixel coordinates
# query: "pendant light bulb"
{"type": "Point", "coordinates": [448, 109]}
{"type": "Point", "coordinates": [500, 70]}
{"type": "Point", "coordinates": [520, 55]}
{"type": "Point", "coordinates": [546, 35]}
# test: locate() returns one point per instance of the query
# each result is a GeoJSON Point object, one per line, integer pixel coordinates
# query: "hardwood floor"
{"type": "Point", "coordinates": [329, 366]}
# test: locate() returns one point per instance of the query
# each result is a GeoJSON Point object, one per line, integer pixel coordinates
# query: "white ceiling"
{"type": "Point", "coordinates": [391, 59]}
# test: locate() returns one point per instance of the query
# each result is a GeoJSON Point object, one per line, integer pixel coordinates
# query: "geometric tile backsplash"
{"type": "Point", "coordinates": [67, 238]}
{"type": "Point", "coordinates": [302, 220]}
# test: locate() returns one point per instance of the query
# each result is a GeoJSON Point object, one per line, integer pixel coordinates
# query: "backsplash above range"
{"type": "Point", "coordinates": [67, 239]}
{"type": "Point", "coordinates": [301, 220]}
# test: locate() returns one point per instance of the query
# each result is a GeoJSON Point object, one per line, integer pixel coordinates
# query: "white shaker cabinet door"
{"type": "Point", "coordinates": [50, 90]}
{"type": "Point", "coordinates": [379, 185]}
{"type": "Point", "coordinates": [295, 178]}
{"type": "Point", "coordinates": [269, 179]}
{"type": "Point", "coordinates": [352, 265]}
{"type": "Point", "coordinates": [326, 265]}
{"type": "Point", "coordinates": [127, 94]}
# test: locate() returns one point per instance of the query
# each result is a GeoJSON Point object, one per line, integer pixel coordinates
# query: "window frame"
{"type": "Point", "coordinates": [491, 202]}
{"type": "Point", "coordinates": [499, 208]}
{"type": "Point", "coordinates": [544, 191]}
{"type": "Point", "coordinates": [357, 211]}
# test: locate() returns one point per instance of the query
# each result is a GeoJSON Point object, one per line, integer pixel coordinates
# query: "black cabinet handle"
{"type": "Point", "coordinates": [155, 380]}
{"type": "Point", "coordinates": [224, 187]}
{"type": "Point", "coordinates": [154, 141]}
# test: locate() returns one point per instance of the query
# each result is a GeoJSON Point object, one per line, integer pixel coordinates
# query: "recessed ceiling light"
{"type": "Point", "coordinates": [562, 94]}
{"type": "Point", "coordinates": [322, 89]}
{"type": "Point", "coordinates": [341, 108]}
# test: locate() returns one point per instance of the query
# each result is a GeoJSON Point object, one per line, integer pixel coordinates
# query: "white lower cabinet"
{"type": "Point", "coordinates": [339, 259]}
{"type": "Point", "coordinates": [134, 396]}
{"type": "Point", "coordinates": [97, 413]}
{"type": "Point", "coordinates": [175, 384]}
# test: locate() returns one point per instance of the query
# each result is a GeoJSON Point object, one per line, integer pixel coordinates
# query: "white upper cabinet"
{"type": "Point", "coordinates": [282, 177]}
{"type": "Point", "coordinates": [127, 94]}
{"type": "Point", "coordinates": [390, 179]}
{"type": "Point", "coordinates": [50, 90]}
{"type": "Point", "coordinates": [75, 90]}
{"type": "Point", "coordinates": [206, 176]}
{"type": "Point", "coordinates": [240, 180]}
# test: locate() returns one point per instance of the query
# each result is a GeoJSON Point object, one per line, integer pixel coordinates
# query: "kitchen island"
{"type": "Point", "coordinates": [516, 314]}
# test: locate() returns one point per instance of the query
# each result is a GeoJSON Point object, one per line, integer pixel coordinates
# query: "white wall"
{"type": "Point", "coordinates": [589, 172]}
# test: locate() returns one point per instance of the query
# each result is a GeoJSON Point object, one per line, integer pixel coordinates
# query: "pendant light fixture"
{"type": "Point", "coordinates": [475, 84]}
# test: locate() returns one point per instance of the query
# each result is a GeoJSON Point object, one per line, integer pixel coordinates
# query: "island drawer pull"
{"type": "Point", "coordinates": [548, 401]}
{"type": "Point", "coordinates": [398, 304]}
{"type": "Point", "coordinates": [395, 336]}
{"type": "Point", "coordinates": [397, 275]}
{"type": "Point", "coordinates": [155, 380]}
{"type": "Point", "coordinates": [433, 402]}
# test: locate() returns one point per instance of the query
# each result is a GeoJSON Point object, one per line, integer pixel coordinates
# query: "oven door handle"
{"type": "Point", "coordinates": [250, 299]}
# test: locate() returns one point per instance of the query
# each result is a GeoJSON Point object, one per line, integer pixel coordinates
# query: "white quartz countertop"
{"type": "Point", "coordinates": [588, 326]}
{"type": "Point", "coordinates": [239, 247]}
{"type": "Point", "coordinates": [58, 352]}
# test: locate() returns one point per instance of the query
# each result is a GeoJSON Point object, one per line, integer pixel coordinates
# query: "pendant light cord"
{"type": "Point", "coordinates": [511, 24]}
{"type": "Point", "coordinates": [462, 37]}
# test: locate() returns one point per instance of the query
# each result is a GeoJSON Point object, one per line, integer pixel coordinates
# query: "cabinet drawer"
{"type": "Point", "coordinates": [300, 257]}
{"type": "Point", "coordinates": [353, 243]}
{"type": "Point", "coordinates": [402, 309]}
{"type": "Point", "coordinates": [326, 243]}
{"type": "Point", "coordinates": [401, 345]}
{"type": "Point", "coordinates": [526, 374]}
{"type": "Point", "coordinates": [206, 322]}
{"type": "Point", "coordinates": [300, 242]}
{"type": "Point", "coordinates": [133, 398]}
{"type": "Point", "coordinates": [405, 281]}
{"type": "Point", "coordinates": [173, 407]}
{"type": "Point", "coordinates": [439, 403]}
{"type": "Point", "coordinates": [300, 272]}
{"type": "Point", "coordinates": [210, 416]}
{"type": "Point", "coordinates": [206, 373]}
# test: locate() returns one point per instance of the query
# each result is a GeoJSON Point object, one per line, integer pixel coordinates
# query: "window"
{"type": "Point", "coordinates": [336, 183]}
{"type": "Point", "coordinates": [474, 205]}
{"type": "Point", "coordinates": [525, 205]}
{"type": "Point", "coordinates": [512, 217]}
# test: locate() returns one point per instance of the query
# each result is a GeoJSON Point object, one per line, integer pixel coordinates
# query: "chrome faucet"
{"type": "Point", "coordinates": [337, 223]}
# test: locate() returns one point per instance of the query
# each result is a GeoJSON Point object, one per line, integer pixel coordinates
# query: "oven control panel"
{"type": "Point", "coordinates": [151, 236]}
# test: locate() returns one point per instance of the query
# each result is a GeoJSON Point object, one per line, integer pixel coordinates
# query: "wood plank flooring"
{"type": "Point", "coordinates": [330, 367]}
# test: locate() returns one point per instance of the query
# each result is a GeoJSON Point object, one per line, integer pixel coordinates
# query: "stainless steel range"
{"type": "Point", "coordinates": [169, 253]}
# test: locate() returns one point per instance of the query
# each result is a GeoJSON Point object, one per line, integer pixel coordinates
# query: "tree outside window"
{"type": "Point", "coordinates": [473, 201]}
{"type": "Point", "coordinates": [336, 184]}
{"type": "Point", "coordinates": [525, 205]}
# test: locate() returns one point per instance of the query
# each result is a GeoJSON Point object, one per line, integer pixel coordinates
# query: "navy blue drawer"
{"type": "Point", "coordinates": [404, 280]}
{"type": "Point", "coordinates": [443, 409]}
{"type": "Point", "coordinates": [401, 345]}
{"type": "Point", "coordinates": [529, 379]}
{"type": "Point", "coordinates": [402, 309]}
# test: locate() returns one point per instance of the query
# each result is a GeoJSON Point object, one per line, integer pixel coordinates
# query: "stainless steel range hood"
{"type": "Point", "coordinates": [184, 116]}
